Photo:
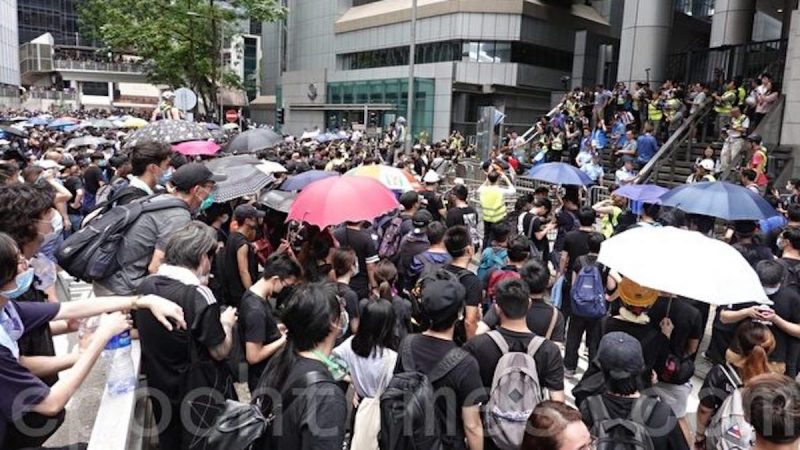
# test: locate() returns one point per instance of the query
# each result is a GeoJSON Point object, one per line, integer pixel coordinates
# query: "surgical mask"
{"type": "Point", "coordinates": [771, 290]}
{"type": "Point", "coordinates": [780, 243]}
{"type": "Point", "coordinates": [207, 202]}
{"type": "Point", "coordinates": [23, 282]}
{"type": "Point", "coordinates": [165, 177]}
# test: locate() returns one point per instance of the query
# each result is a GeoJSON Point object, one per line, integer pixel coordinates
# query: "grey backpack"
{"type": "Point", "coordinates": [515, 392]}
{"type": "Point", "coordinates": [728, 429]}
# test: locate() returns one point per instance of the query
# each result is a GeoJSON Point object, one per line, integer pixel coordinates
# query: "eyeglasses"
{"type": "Point", "coordinates": [592, 445]}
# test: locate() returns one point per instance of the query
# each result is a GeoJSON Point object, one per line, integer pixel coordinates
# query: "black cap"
{"type": "Point", "coordinates": [744, 227]}
{"type": "Point", "coordinates": [193, 174]}
{"type": "Point", "coordinates": [247, 211]}
{"type": "Point", "coordinates": [442, 297]}
{"type": "Point", "coordinates": [754, 137]}
{"type": "Point", "coordinates": [421, 218]}
{"type": "Point", "coordinates": [620, 355]}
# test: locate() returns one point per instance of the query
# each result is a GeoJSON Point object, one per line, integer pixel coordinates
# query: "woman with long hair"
{"type": "Point", "coordinates": [313, 320]}
{"type": "Point", "coordinates": [746, 358]}
{"type": "Point", "coordinates": [386, 278]}
{"type": "Point", "coordinates": [556, 426]}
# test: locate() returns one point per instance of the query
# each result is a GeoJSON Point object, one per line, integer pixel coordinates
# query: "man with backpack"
{"type": "Point", "coordinates": [459, 245]}
{"type": "Point", "coordinates": [432, 259]}
{"type": "Point", "coordinates": [141, 248]}
{"type": "Point", "coordinates": [518, 252]}
{"type": "Point", "coordinates": [622, 417]}
{"type": "Point", "coordinates": [494, 256]}
{"type": "Point", "coordinates": [513, 359]}
{"type": "Point", "coordinates": [392, 228]}
{"type": "Point", "coordinates": [150, 166]}
{"type": "Point", "coordinates": [440, 376]}
{"type": "Point", "coordinates": [413, 244]}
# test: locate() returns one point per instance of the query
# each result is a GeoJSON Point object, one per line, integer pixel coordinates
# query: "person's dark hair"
{"type": "Point", "coordinates": [435, 232]}
{"type": "Point", "coordinates": [792, 236]}
{"type": "Point", "coordinates": [97, 156]}
{"type": "Point", "coordinates": [547, 423]}
{"type": "Point", "coordinates": [385, 277]}
{"type": "Point", "coordinates": [651, 210]}
{"type": "Point", "coordinates": [586, 216]}
{"type": "Point", "coordinates": [409, 199]}
{"type": "Point", "coordinates": [146, 153]}
{"type": "Point", "coordinates": [521, 203]}
{"type": "Point", "coordinates": [672, 218]}
{"type": "Point", "coordinates": [457, 240]}
{"type": "Point", "coordinates": [793, 212]}
{"type": "Point", "coordinates": [749, 175]}
{"type": "Point", "coordinates": [176, 160]}
{"type": "Point", "coordinates": [282, 266]}
{"type": "Point", "coordinates": [309, 316]}
{"type": "Point", "coordinates": [375, 329]}
{"type": "Point", "coordinates": [501, 232]}
{"type": "Point", "coordinates": [622, 386]}
{"type": "Point", "coordinates": [493, 177]}
{"type": "Point", "coordinates": [9, 170]}
{"type": "Point", "coordinates": [536, 275]}
{"type": "Point", "coordinates": [541, 190]}
{"type": "Point", "coordinates": [9, 257]}
{"type": "Point", "coordinates": [315, 249]}
{"type": "Point", "coordinates": [513, 298]}
{"type": "Point", "coordinates": [188, 244]}
{"type": "Point", "coordinates": [31, 174]}
{"type": "Point", "coordinates": [344, 258]}
{"type": "Point", "coordinates": [544, 203]}
{"type": "Point", "coordinates": [21, 206]}
{"type": "Point", "coordinates": [595, 241]}
{"type": "Point", "coordinates": [770, 272]}
{"type": "Point", "coordinates": [752, 344]}
{"type": "Point", "coordinates": [461, 192]}
{"type": "Point", "coordinates": [772, 407]}
{"type": "Point", "coordinates": [519, 249]}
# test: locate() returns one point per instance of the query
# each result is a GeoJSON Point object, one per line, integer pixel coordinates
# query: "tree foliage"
{"type": "Point", "coordinates": [179, 39]}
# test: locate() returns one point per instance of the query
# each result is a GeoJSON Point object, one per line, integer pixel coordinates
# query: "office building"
{"type": "Point", "coordinates": [9, 55]}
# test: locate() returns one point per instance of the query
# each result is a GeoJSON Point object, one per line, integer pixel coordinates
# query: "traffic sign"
{"type": "Point", "coordinates": [231, 115]}
{"type": "Point", "coordinates": [185, 99]}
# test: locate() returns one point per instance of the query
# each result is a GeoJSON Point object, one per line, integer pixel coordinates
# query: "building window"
{"type": "Point", "coordinates": [95, 88]}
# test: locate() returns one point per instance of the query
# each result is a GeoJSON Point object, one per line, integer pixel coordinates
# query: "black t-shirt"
{"type": "Point", "coordinates": [433, 203]}
{"type": "Point", "coordinates": [686, 319]}
{"type": "Point", "coordinates": [315, 420]}
{"type": "Point", "coordinates": [365, 246]}
{"type": "Point", "coordinates": [461, 216]}
{"type": "Point", "coordinates": [38, 341]}
{"type": "Point", "coordinates": [257, 324]}
{"type": "Point", "coordinates": [538, 320]}
{"type": "Point", "coordinates": [72, 184]}
{"type": "Point", "coordinates": [350, 304]}
{"type": "Point", "coordinates": [230, 267]}
{"type": "Point", "coordinates": [165, 354]}
{"type": "Point", "coordinates": [532, 224]}
{"type": "Point", "coordinates": [662, 425]}
{"type": "Point", "coordinates": [549, 363]}
{"type": "Point", "coordinates": [471, 282]}
{"type": "Point", "coordinates": [576, 244]}
{"type": "Point", "coordinates": [463, 381]}
{"type": "Point", "coordinates": [566, 221]}
{"type": "Point", "coordinates": [92, 177]}
{"type": "Point", "coordinates": [655, 346]}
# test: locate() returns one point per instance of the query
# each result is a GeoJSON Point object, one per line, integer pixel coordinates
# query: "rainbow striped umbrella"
{"type": "Point", "coordinates": [393, 178]}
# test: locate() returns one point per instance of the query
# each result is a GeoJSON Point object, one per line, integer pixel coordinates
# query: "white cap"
{"type": "Point", "coordinates": [167, 94]}
{"type": "Point", "coordinates": [431, 177]}
{"type": "Point", "coordinates": [49, 164]}
{"type": "Point", "coordinates": [707, 164]}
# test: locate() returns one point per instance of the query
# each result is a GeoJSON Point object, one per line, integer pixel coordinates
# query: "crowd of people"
{"type": "Point", "coordinates": [436, 325]}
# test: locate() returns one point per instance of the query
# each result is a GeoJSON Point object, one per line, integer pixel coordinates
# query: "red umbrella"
{"type": "Point", "coordinates": [336, 200]}
{"type": "Point", "coordinates": [192, 148]}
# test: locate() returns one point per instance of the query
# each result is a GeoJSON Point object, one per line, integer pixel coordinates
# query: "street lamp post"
{"type": "Point", "coordinates": [409, 137]}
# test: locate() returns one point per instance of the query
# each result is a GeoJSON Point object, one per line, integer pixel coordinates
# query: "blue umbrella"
{"type": "Point", "coordinates": [559, 173]}
{"type": "Point", "coordinates": [719, 199]}
{"type": "Point", "coordinates": [647, 193]}
{"type": "Point", "coordinates": [38, 121]}
{"type": "Point", "coordinates": [298, 182]}
{"type": "Point", "coordinates": [58, 123]}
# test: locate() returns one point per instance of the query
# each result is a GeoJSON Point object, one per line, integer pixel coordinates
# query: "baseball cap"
{"type": "Point", "coordinates": [754, 137]}
{"type": "Point", "coordinates": [431, 177]}
{"type": "Point", "coordinates": [620, 355]}
{"type": "Point", "coordinates": [421, 218]}
{"type": "Point", "coordinates": [247, 211]}
{"type": "Point", "coordinates": [707, 164]}
{"type": "Point", "coordinates": [636, 295]}
{"type": "Point", "coordinates": [442, 297]}
{"type": "Point", "coordinates": [193, 174]}
{"type": "Point", "coordinates": [744, 227]}
{"type": "Point", "coordinates": [628, 158]}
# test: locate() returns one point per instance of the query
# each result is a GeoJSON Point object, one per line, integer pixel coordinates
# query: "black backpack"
{"type": "Point", "coordinates": [409, 398]}
{"type": "Point", "coordinates": [91, 253]}
{"type": "Point", "coordinates": [622, 433]}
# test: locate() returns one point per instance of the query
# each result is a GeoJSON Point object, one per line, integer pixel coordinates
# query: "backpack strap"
{"type": "Point", "coordinates": [406, 354]}
{"type": "Point", "coordinates": [535, 344]}
{"type": "Point", "coordinates": [642, 409]}
{"type": "Point", "coordinates": [448, 363]}
{"type": "Point", "coordinates": [732, 375]}
{"type": "Point", "coordinates": [553, 321]}
{"type": "Point", "coordinates": [597, 409]}
{"type": "Point", "coordinates": [499, 340]}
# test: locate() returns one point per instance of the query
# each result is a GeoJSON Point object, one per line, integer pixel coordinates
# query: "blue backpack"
{"type": "Point", "coordinates": [492, 258]}
{"type": "Point", "coordinates": [588, 292]}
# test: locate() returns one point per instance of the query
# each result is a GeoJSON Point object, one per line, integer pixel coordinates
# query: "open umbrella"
{"type": "Point", "coordinates": [217, 164]}
{"type": "Point", "coordinates": [241, 181]}
{"type": "Point", "coordinates": [299, 181]}
{"type": "Point", "coordinates": [647, 193]}
{"type": "Point", "coordinates": [684, 263]}
{"type": "Point", "coordinates": [101, 124]}
{"type": "Point", "coordinates": [169, 132]}
{"type": "Point", "coordinates": [39, 120]}
{"type": "Point", "coordinates": [63, 122]}
{"type": "Point", "coordinates": [13, 131]}
{"type": "Point", "coordinates": [391, 177]}
{"type": "Point", "coordinates": [270, 167]}
{"type": "Point", "coordinates": [719, 199]}
{"type": "Point", "coordinates": [559, 173]}
{"type": "Point", "coordinates": [252, 141]}
{"type": "Point", "coordinates": [336, 200]}
{"type": "Point", "coordinates": [280, 201]}
{"type": "Point", "coordinates": [86, 141]}
{"type": "Point", "coordinates": [192, 148]}
{"type": "Point", "coordinates": [133, 122]}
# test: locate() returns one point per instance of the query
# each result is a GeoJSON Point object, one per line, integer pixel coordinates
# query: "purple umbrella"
{"type": "Point", "coordinates": [298, 182]}
{"type": "Point", "coordinates": [647, 193]}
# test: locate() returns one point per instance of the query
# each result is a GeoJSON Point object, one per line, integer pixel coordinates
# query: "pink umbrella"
{"type": "Point", "coordinates": [192, 148]}
{"type": "Point", "coordinates": [336, 200]}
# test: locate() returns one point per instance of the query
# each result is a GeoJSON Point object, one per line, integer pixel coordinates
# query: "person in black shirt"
{"type": "Point", "coordinates": [566, 221]}
{"type": "Point", "coordinates": [461, 213]}
{"type": "Point", "coordinates": [443, 303]}
{"type": "Point", "coordinates": [93, 179]}
{"type": "Point", "coordinates": [74, 184]}
{"type": "Point", "coordinates": [459, 246]}
{"type": "Point", "coordinates": [258, 325]}
{"type": "Point", "coordinates": [317, 418]}
{"type": "Point", "coordinates": [344, 266]}
{"type": "Point", "coordinates": [239, 265]}
{"type": "Point", "coordinates": [432, 201]}
{"type": "Point", "coordinates": [364, 243]}
{"type": "Point", "coordinates": [620, 358]}
{"type": "Point", "coordinates": [536, 226]}
{"type": "Point", "coordinates": [177, 363]}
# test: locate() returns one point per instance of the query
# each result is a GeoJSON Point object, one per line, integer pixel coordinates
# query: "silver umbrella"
{"type": "Point", "coordinates": [86, 141]}
{"type": "Point", "coordinates": [280, 201]}
{"type": "Point", "coordinates": [218, 164]}
{"type": "Point", "coordinates": [169, 132]}
{"type": "Point", "coordinates": [241, 181]}
{"type": "Point", "coordinates": [254, 140]}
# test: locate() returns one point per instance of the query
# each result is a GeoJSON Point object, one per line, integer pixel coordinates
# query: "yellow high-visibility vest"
{"type": "Point", "coordinates": [726, 103]}
{"type": "Point", "coordinates": [493, 204]}
{"type": "Point", "coordinates": [654, 114]}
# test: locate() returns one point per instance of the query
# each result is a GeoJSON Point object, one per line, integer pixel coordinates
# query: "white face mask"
{"type": "Point", "coordinates": [771, 290]}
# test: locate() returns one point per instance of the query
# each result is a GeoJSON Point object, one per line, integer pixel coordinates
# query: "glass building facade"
{"type": "Point", "coordinates": [251, 72]}
{"type": "Point", "coordinates": [392, 92]}
{"type": "Point", "coordinates": [9, 49]}
{"type": "Point", "coordinates": [57, 17]}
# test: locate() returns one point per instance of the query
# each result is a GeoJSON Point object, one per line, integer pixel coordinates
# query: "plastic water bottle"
{"type": "Point", "coordinates": [121, 376]}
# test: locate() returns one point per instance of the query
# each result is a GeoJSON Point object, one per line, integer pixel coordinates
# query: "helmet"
{"type": "Point", "coordinates": [167, 95]}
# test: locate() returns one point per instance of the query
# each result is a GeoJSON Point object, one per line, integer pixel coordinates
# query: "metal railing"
{"type": "Point", "coordinates": [52, 95]}
{"type": "Point", "coordinates": [727, 62]}
{"type": "Point", "coordinates": [69, 64]}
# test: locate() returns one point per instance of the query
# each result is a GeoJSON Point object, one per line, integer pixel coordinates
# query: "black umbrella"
{"type": "Point", "coordinates": [254, 140]}
{"type": "Point", "coordinates": [218, 164]}
{"type": "Point", "coordinates": [241, 181]}
{"type": "Point", "coordinates": [169, 132]}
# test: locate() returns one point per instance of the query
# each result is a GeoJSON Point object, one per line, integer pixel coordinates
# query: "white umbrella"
{"type": "Point", "coordinates": [270, 167]}
{"type": "Point", "coordinates": [684, 263]}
